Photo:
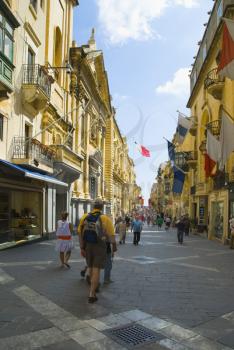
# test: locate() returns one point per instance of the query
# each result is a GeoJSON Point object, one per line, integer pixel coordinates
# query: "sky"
{"type": "Point", "coordinates": [148, 48]}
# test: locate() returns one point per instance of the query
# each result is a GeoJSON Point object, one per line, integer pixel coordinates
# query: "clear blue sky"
{"type": "Point", "coordinates": [148, 49]}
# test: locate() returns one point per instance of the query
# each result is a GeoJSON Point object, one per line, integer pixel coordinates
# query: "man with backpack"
{"type": "Point", "coordinates": [137, 226]}
{"type": "Point", "coordinates": [95, 230]}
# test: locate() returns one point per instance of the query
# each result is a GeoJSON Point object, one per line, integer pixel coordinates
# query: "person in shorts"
{"type": "Point", "coordinates": [95, 230]}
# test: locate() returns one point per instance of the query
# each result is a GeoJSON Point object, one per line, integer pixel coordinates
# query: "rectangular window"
{"type": "Point", "coordinates": [8, 47]}
{"type": "Point", "coordinates": [6, 38]}
{"type": "Point", "coordinates": [219, 11]}
{"type": "Point", "coordinates": [9, 29]}
{"type": "Point", "coordinates": [1, 127]}
{"type": "Point", "coordinates": [31, 56]}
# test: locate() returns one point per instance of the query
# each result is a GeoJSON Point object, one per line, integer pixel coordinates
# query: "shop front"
{"type": "Point", "coordinates": [26, 204]}
{"type": "Point", "coordinates": [20, 213]}
{"type": "Point", "coordinates": [218, 208]}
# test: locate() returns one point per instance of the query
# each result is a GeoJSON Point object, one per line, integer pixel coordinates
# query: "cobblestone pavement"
{"type": "Point", "coordinates": [184, 293]}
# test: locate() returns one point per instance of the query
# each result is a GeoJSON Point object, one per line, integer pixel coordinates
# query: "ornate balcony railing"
{"type": "Point", "coordinates": [181, 159]}
{"type": "Point", "coordinates": [220, 180]}
{"type": "Point", "coordinates": [214, 127]}
{"type": "Point", "coordinates": [214, 84]}
{"type": "Point", "coordinates": [37, 75]}
{"type": "Point", "coordinates": [32, 149]}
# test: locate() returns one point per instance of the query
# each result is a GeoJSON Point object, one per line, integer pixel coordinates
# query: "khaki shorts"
{"type": "Point", "coordinates": [96, 254]}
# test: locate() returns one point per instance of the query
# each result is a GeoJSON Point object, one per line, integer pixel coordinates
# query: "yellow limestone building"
{"type": "Point", "coordinates": [107, 171]}
{"type": "Point", "coordinates": [211, 199]}
{"type": "Point", "coordinates": [37, 160]}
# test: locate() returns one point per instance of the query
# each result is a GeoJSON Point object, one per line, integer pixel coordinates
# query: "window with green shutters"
{"type": "Point", "coordinates": [6, 38]}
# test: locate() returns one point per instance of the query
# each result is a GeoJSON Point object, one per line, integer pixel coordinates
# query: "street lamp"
{"type": "Point", "coordinates": [67, 67]}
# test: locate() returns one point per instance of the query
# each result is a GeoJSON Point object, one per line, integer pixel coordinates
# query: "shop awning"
{"type": "Point", "coordinates": [14, 169]}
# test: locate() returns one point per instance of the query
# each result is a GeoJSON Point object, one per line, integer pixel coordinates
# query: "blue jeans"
{"type": "Point", "coordinates": [180, 235]}
{"type": "Point", "coordinates": [108, 267]}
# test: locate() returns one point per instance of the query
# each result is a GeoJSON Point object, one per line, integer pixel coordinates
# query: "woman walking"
{"type": "Point", "coordinates": [64, 239]}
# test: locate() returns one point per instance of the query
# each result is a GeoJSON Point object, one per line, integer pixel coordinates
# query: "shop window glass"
{"type": "Point", "coordinates": [1, 128]}
{"type": "Point", "coordinates": [8, 47]}
{"type": "Point", "coordinates": [217, 219]}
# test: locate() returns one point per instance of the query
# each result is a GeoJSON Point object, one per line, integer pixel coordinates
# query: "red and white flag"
{"type": "Point", "coordinates": [144, 151]}
{"type": "Point", "coordinates": [226, 65]}
{"type": "Point", "coordinates": [226, 139]}
{"type": "Point", "coordinates": [212, 156]}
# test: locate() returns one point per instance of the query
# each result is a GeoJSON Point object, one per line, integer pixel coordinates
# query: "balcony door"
{"type": "Point", "coordinates": [31, 62]}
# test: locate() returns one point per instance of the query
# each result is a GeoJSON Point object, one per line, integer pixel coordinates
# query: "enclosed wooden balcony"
{"type": "Point", "coordinates": [36, 87]}
{"type": "Point", "coordinates": [214, 84]}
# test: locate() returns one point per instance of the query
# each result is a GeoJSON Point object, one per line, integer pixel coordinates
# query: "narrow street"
{"type": "Point", "coordinates": [183, 292]}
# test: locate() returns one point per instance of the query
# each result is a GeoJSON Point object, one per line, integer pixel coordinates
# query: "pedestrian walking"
{"type": "Point", "coordinates": [95, 230]}
{"type": "Point", "coordinates": [64, 243]}
{"type": "Point", "coordinates": [231, 223]}
{"type": "Point", "coordinates": [186, 225]}
{"type": "Point", "coordinates": [137, 226]}
{"type": "Point", "coordinates": [159, 222]}
{"type": "Point", "coordinates": [167, 223]}
{"type": "Point", "coordinates": [122, 231]}
{"type": "Point", "coordinates": [180, 230]}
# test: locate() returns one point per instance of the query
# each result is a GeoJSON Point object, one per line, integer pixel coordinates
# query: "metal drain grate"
{"type": "Point", "coordinates": [133, 335]}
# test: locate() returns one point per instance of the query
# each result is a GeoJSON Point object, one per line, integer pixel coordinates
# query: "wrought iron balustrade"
{"type": "Point", "coordinates": [37, 75]}
{"type": "Point", "coordinates": [32, 149]}
{"type": "Point", "coordinates": [181, 159]}
{"type": "Point", "coordinates": [214, 127]}
{"type": "Point", "coordinates": [212, 78]}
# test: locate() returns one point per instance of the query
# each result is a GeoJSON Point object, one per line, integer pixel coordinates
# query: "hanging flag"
{"type": "Point", "coordinates": [226, 65]}
{"type": "Point", "coordinates": [171, 152]}
{"type": "Point", "coordinates": [178, 183]}
{"type": "Point", "coordinates": [184, 124]}
{"type": "Point", "coordinates": [212, 155]}
{"type": "Point", "coordinates": [226, 139]}
{"type": "Point", "coordinates": [144, 151]}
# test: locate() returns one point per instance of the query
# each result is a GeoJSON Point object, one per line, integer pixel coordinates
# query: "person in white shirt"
{"type": "Point", "coordinates": [64, 239]}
